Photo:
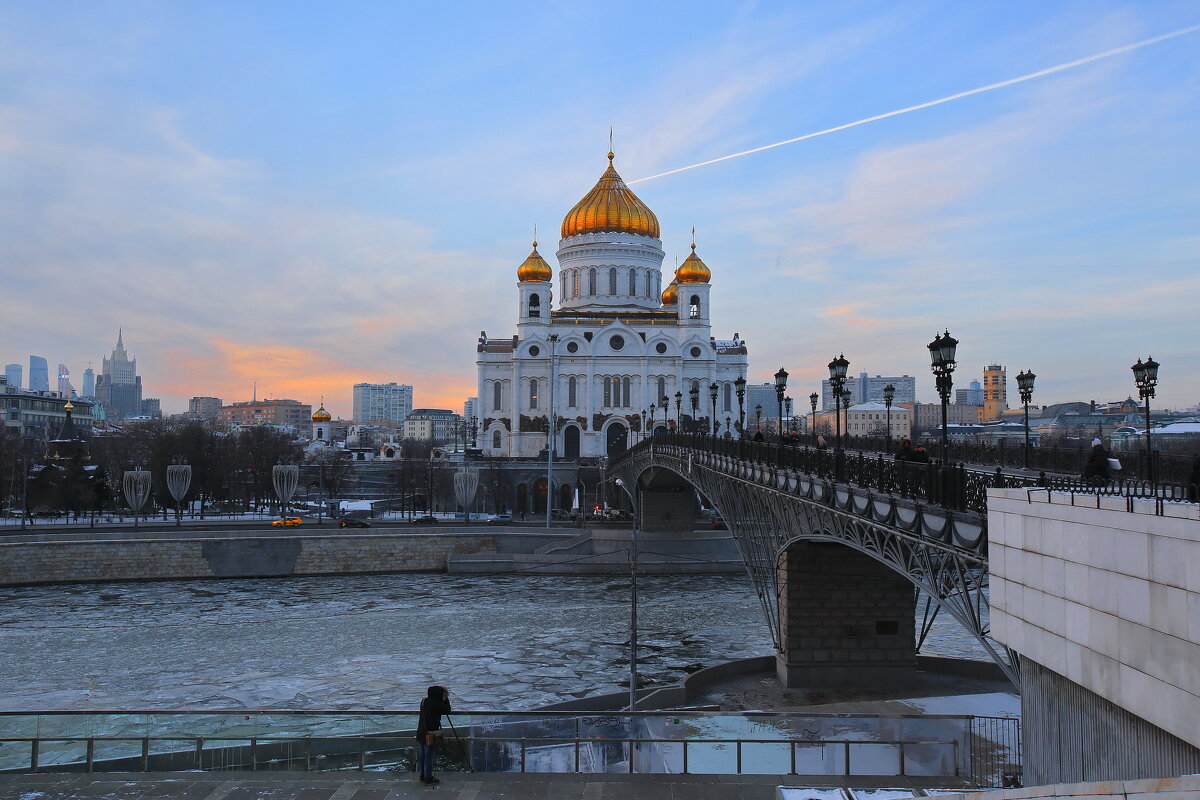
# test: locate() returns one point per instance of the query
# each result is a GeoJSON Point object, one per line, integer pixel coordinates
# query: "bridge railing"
{"type": "Point", "coordinates": [954, 486]}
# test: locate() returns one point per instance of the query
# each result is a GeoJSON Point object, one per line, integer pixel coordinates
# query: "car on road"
{"type": "Point", "coordinates": [500, 519]}
{"type": "Point", "coordinates": [425, 519]}
{"type": "Point", "coordinates": [353, 522]}
{"type": "Point", "coordinates": [287, 522]}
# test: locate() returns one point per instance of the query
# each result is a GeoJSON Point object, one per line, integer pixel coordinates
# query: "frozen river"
{"type": "Point", "coordinates": [369, 642]}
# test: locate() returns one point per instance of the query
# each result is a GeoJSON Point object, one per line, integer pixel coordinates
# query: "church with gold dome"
{"type": "Point", "coordinates": [618, 355]}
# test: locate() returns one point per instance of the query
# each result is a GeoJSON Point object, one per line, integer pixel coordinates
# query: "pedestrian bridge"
{"type": "Point", "coordinates": [835, 544]}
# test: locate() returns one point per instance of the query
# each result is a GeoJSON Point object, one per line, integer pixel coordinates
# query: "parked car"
{"type": "Point", "coordinates": [287, 522]}
{"type": "Point", "coordinates": [500, 519]}
{"type": "Point", "coordinates": [353, 522]}
{"type": "Point", "coordinates": [425, 519]}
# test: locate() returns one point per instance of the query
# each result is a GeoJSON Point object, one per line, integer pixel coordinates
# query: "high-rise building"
{"type": "Point", "coordinates": [39, 374]}
{"type": "Point", "coordinates": [119, 387]}
{"type": "Point", "coordinates": [865, 389]}
{"type": "Point", "coordinates": [995, 392]}
{"type": "Point", "coordinates": [64, 381]}
{"type": "Point", "coordinates": [268, 412]}
{"type": "Point", "coordinates": [12, 374]}
{"type": "Point", "coordinates": [204, 407]}
{"type": "Point", "coordinates": [382, 402]}
{"type": "Point", "coordinates": [89, 382]}
{"type": "Point", "coordinates": [151, 407]}
{"type": "Point", "coordinates": [969, 397]}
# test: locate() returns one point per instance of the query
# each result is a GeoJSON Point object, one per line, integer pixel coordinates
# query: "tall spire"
{"type": "Point", "coordinates": [120, 333]}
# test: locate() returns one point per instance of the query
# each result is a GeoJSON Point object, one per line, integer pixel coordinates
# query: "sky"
{"type": "Point", "coordinates": [310, 195]}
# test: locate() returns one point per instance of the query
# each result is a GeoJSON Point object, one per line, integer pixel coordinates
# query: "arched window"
{"type": "Point", "coordinates": [729, 397]}
{"type": "Point", "coordinates": [612, 280]}
{"type": "Point", "coordinates": [608, 392]}
{"type": "Point", "coordinates": [565, 295]}
{"type": "Point", "coordinates": [695, 386]}
{"type": "Point", "coordinates": [625, 392]}
{"type": "Point", "coordinates": [533, 393]}
{"type": "Point", "coordinates": [495, 440]}
{"type": "Point", "coordinates": [497, 396]}
{"type": "Point", "coordinates": [592, 281]}
{"type": "Point", "coordinates": [695, 303]}
{"type": "Point", "coordinates": [649, 283]}
{"type": "Point", "coordinates": [535, 305]}
{"type": "Point", "coordinates": [571, 392]}
{"type": "Point", "coordinates": [575, 275]}
{"type": "Point", "coordinates": [633, 283]}
{"type": "Point", "coordinates": [662, 389]}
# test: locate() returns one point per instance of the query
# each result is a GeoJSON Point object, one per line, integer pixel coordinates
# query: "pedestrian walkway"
{"type": "Point", "coordinates": [390, 786]}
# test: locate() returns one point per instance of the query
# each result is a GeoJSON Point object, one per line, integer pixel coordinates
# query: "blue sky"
{"type": "Point", "coordinates": [312, 195]}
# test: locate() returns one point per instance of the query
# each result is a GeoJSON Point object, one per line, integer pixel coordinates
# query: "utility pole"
{"type": "Point", "coordinates": [550, 437]}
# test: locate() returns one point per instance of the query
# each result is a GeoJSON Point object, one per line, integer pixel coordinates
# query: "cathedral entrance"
{"type": "Point", "coordinates": [618, 440]}
{"type": "Point", "coordinates": [570, 442]}
{"type": "Point", "coordinates": [566, 496]}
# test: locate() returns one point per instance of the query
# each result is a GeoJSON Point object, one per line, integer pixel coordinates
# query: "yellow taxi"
{"type": "Point", "coordinates": [287, 522]}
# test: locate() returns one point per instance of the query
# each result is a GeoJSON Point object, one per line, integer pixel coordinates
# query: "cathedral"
{"type": "Point", "coordinates": [619, 357]}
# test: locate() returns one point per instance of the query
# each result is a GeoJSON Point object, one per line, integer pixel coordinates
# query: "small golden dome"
{"type": "Point", "coordinates": [534, 268]}
{"type": "Point", "coordinates": [68, 406]}
{"type": "Point", "coordinates": [321, 415]}
{"type": "Point", "coordinates": [610, 207]}
{"type": "Point", "coordinates": [693, 270]}
{"type": "Point", "coordinates": [670, 295]}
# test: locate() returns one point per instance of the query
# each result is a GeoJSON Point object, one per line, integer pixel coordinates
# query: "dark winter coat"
{"type": "Point", "coordinates": [1097, 463]}
{"type": "Point", "coordinates": [432, 707]}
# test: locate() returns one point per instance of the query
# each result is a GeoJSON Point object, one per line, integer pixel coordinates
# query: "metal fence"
{"type": "Point", "coordinates": [969, 749]}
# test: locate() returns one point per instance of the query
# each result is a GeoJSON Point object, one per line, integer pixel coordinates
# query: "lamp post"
{"type": "Point", "coordinates": [740, 387]}
{"type": "Point", "coordinates": [633, 556]}
{"type": "Point", "coordinates": [1145, 377]}
{"type": "Point", "coordinates": [712, 395]}
{"type": "Point", "coordinates": [812, 424]}
{"type": "Point", "coordinates": [179, 478]}
{"type": "Point", "coordinates": [758, 417]}
{"type": "Point", "coordinates": [652, 409]}
{"type": "Point", "coordinates": [664, 403]}
{"type": "Point", "coordinates": [136, 485]}
{"type": "Point", "coordinates": [837, 379]}
{"type": "Point", "coordinates": [790, 414]}
{"type": "Point", "coordinates": [941, 357]}
{"type": "Point", "coordinates": [694, 396]}
{"type": "Point", "coordinates": [678, 405]}
{"type": "Point", "coordinates": [889, 394]}
{"type": "Point", "coordinates": [1025, 387]}
{"type": "Point", "coordinates": [551, 439]}
{"type": "Point", "coordinates": [780, 388]}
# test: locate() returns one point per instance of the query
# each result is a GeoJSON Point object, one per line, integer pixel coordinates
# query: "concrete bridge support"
{"type": "Point", "coordinates": [846, 620]}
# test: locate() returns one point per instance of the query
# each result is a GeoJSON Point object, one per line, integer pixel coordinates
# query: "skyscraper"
{"type": "Point", "coordinates": [39, 374]}
{"type": "Point", "coordinates": [89, 382]}
{"type": "Point", "coordinates": [64, 381]}
{"type": "Point", "coordinates": [382, 402]}
{"type": "Point", "coordinates": [119, 387]}
{"type": "Point", "coordinates": [12, 373]}
{"type": "Point", "coordinates": [995, 392]}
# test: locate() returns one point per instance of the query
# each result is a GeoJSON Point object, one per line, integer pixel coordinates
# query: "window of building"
{"type": "Point", "coordinates": [649, 284]}
{"type": "Point", "coordinates": [534, 350]}
{"type": "Point", "coordinates": [632, 282]}
{"type": "Point", "coordinates": [592, 281]}
{"type": "Point", "coordinates": [612, 280]}
{"type": "Point", "coordinates": [495, 440]}
{"type": "Point", "coordinates": [695, 352]}
{"type": "Point", "coordinates": [563, 277]}
{"type": "Point", "coordinates": [728, 397]}
{"type": "Point", "coordinates": [695, 306]}
{"type": "Point", "coordinates": [571, 392]}
{"type": "Point", "coordinates": [572, 347]}
{"type": "Point", "coordinates": [575, 280]}
{"type": "Point", "coordinates": [608, 392]}
{"type": "Point", "coordinates": [662, 389]}
{"type": "Point", "coordinates": [660, 348]}
{"type": "Point", "coordinates": [616, 342]}
{"type": "Point", "coordinates": [497, 396]}
{"type": "Point", "coordinates": [625, 392]}
{"type": "Point", "coordinates": [535, 305]}
{"type": "Point", "coordinates": [533, 393]}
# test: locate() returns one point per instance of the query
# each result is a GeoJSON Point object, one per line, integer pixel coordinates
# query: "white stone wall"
{"type": "Point", "coordinates": [1106, 597]}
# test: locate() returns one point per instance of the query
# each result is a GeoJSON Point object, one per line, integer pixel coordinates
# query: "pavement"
{"type": "Point", "coordinates": [390, 786]}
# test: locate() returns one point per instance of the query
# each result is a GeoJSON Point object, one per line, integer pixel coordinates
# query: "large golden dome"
{"type": "Point", "coordinates": [670, 295]}
{"type": "Point", "coordinates": [610, 207]}
{"type": "Point", "coordinates": [693, 270]}
{"type": "Point", "coordinates": [534, 268]}
{"type": "Point", "coordinates": [321, 415]}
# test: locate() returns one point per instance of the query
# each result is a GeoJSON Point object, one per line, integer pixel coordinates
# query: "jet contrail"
{"type": "Point", "coordinates": [1031, 76]}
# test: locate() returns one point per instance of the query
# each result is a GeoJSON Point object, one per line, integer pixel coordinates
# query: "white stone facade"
{"type": "Point", "coordinates": [1107, 597]}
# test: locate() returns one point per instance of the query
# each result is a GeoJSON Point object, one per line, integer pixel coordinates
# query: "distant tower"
{"type": "Point", "coordinates": [64, 381]}
{"type": "Point", "coordinates": [120, 387]}
{"type": "Point", "coordinates": [39, 374]}
{"type": "Point", "coordinates": [322, 428]}
{"type": "Point", "coordinates": [89, 382]}
{"type": "Point", "coordinates": [12, 373]}
{"type": "Point", "coordinates": [995, 392]}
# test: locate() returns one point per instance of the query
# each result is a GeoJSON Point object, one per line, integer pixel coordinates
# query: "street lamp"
{"type": "Point", "coordinates": [791, 415]}
{"type": "Point", "coordinates": [1145, 377]}
{"type": "Point", "coordinates": [941, 357]}
{"type": "Point", "coordinates": [780, 388]}
{"type": "Point", "coordinates": [694, 396]}
{"type": "Point", "coordinates": [812, 420]}
{"type": "Point", "coordinates": [678, 404]}
{"type": "Point", "coordinates": [889, 394]}
{"type": "Point", "coordinates": [758, 417]}
{"type": "Point", "coordinates": [837, 379]}
{"type": "Point", "coordinates": [664, 402]}
{"type": "Point", "coordinates": [740, 387]}
{"type": "Point", "coordinates": [1025, 387]}
{"type": "Point", "coordinates": [551, 433]}
{"type": "Point", "coordinates": [652, 409]}
{"type": "Point", "coordinates": [712, 394]}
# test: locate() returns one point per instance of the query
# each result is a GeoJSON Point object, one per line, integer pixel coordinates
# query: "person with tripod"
{"type": "Point", "coordinates": [429, 730]}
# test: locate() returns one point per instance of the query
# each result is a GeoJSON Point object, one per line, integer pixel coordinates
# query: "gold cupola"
{"type": "Point", "coordinates": [670, 295]}
{"type": "Point", "coordinates": [693, 270]}
{"type": "Point", "coordinates": [610, 207]}
{"type": "Point", "coordinates": [534, 268]}
{"type": "Point", "coordinates": [321, 415]}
